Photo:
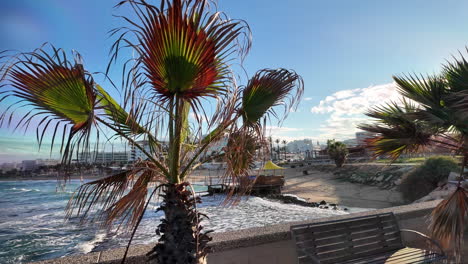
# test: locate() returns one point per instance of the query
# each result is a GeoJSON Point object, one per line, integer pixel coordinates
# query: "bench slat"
{"type": "Point", "coordinates": [338, 231]}
{"type": "Point", "coordinates": [343, 243]}
{"type": "Point", "coordinates": [328, 226]}
{"type": "Point", "coordinates": [367, 249]}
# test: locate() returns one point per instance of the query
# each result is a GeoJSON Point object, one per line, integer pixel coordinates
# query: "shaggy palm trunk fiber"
{"type": "Point", "coordinates": [181, 238]}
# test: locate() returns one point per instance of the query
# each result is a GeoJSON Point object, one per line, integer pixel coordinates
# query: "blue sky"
{"type": "Point", "coordinates": [345, 50]}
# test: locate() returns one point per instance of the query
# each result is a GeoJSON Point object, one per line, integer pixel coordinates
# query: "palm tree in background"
{"type": "Point", "coordinates": [270, 140]}
{"type": "Point", "coordinates": [284, 148]}
{"type": "Point", "coordinates": [433, 112]}
{"type": "Point", "coordinates": [182, 56]}
{"type": "Point", "coordinates": [278, 148]}
{"type": "Point", "coordinates": [337, 151]}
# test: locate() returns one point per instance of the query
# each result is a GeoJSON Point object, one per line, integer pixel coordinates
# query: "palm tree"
{"type": "Point", "coordinates": [284, 143]}
{"type": "Point", "coordinates": [433, 112]}
{"type": "Point", "coordinates": [182, 52]}
{"type": "Point", "coordinates": [337, 151]}
{"type": "Point", "coordinates": [270, 140]}
{"type": "Point", "coordinates": [278, 148]}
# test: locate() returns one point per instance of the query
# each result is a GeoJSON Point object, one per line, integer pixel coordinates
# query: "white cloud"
{"type": "Point", "coordinates": [275, 130]}
{"type": "Point", "coordinates": [347, 107]}
{"type": "Point", "coordinates": [307, 98]}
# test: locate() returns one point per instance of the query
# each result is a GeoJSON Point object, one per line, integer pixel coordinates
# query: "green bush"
{"type": "Point", "coordinates": [423, 179]}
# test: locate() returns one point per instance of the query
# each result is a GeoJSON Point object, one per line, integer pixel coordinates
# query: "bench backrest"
{"type": "Point", "coordinates": [341, 240]}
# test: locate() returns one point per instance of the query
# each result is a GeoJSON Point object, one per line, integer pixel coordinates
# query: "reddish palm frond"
{"type": "Point", "coordinates": [183, 47]}
{"type": "Point", "coordinates": [118, 197]}
{"type": "Point", "coordinates": [60, 92]}
{"type": "Point", "coordinates": [130, 207]}
{"type": "Point", "coordinates": [448, 220]}
{"type": "Point", "coordinates": [239, 155]}
{"type": "Point", "coordinates": [103, 192]}
{"type": "Point", "coordinates": [267, 89]}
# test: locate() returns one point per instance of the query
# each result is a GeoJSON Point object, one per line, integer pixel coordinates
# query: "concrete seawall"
{"type": "Point", "coordinates": [269, 244]}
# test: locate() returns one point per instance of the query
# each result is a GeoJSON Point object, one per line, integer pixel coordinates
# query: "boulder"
{"type": "Point", "coordinates": [398, 182]}
{"type": "Point", "coordinates": [453, 176]}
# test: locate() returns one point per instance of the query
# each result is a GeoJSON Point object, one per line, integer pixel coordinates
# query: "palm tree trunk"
{"type": "Point", "coordinates": [180, 239]}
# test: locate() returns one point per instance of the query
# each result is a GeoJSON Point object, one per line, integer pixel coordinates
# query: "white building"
{"type": "Point", "coordinates": [136, 153]}
{"type": "Point", "coordinates": [47, 162]}
{"type": "Point", "coordinates": [104, 157]}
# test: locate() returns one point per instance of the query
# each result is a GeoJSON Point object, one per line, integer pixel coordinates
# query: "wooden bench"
{"type": "Point", "coordinates": [370, 239]}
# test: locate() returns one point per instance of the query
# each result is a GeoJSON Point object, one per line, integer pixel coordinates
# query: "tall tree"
{"type": "Point", "coordinates": [284, 146]}
{"type": "Point", "coordinates": [433, 112]}
{"type": "Point", "coordinates": [278, 148]}
{"type": "Point", "coordinates": [182, 55]}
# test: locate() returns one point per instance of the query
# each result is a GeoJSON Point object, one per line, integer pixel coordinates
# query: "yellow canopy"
{"type": "Point", "coordinates": [271, 166]}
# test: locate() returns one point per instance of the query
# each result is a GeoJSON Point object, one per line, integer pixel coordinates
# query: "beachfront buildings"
{"type": "Point", "coordinates": [119, 157]}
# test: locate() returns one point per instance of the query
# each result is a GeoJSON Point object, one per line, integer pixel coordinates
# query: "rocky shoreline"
{"type": "Point", "coordinates": [383, 176]}
{"type": "Point", "coordinates": [291, 199]}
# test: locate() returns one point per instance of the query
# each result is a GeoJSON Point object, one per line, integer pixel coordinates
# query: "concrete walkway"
{"type": "Point", "coordinates": [318, 186]}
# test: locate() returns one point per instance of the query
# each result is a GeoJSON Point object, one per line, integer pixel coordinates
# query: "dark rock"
{"type": "Point", "coordinates": [291, 200]}
{"type": "Point", "coordinates": [323, 202]}
{"type": "Point", "coordinates": [345, 209]}
{"type": "Point", "coordinates": [305, 172]}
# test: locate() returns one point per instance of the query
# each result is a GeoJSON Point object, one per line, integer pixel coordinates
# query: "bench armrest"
{"type": "Point", "coordinates": [426, 237]}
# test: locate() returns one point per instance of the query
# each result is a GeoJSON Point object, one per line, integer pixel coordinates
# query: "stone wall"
{"type": "Point", "coordinates": [268, 245]}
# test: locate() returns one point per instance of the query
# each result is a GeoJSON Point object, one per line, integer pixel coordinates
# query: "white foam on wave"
{"type": "Point", "coordinates": [87, 247]}
{"type": "Point", "coordinates": [23, 190]}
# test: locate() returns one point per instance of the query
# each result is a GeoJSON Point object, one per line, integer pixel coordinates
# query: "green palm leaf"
{"type": "Point", "coordinates": [456, 74]}
{"type": "Point", "coordinates": [183, 47]}
{"type": "Point", "coordinates": [396, 130]}
{"type": "Point", "coordinates": [267, 89]}
{"type": "Point", "coordinates": [59, 91]}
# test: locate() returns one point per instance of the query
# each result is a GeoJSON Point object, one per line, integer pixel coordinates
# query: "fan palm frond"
{"type": "Point", "coordinates": [427, 91]}
{"type": "Point", "coordinates": [396, 131]}
{"type": "Point", "coordinates": [60, 92]}
{"type": "Point", "coordinates": [267, 89]}
{"type": "Point", "coordinates": [448, 220]}
{"type": "Point", "coordinates": [117, 197]}
{"type": "Point", "coordinates": [240, 154]}
{"type": "Point", "coordinates": [183, 47]}
{"type": "Point", "coordinates": [456, 74]}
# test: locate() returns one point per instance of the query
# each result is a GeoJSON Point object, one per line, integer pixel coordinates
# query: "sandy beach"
{"type": "Point", "coordinates": [318, 186]}
{"type": "Point", "coordinates": [315, 187]}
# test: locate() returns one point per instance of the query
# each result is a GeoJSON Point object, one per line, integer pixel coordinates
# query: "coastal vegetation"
{"type": "Point", "coordinates": [423, 179]}
{"type": "Point", "coordinates": [432, 112]}
{"type": "Point", "coordinates": [182, 53]}
{"type": "Point", "coordinates": [337, 151]}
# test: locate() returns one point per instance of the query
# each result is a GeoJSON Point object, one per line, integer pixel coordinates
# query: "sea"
{"type": "Point", "coordinates": [33, 225]}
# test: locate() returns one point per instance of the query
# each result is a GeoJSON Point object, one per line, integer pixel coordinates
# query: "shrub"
{"type": "Point", "coordinates": [337, 151]}
{"type": "Point", "coordinates": [423, 179]}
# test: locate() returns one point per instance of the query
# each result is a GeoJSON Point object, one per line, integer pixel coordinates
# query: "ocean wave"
{"type": "Point", "coordinates": [87, 247]}
{"type": "Point", "coordinates": [23, 190]}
